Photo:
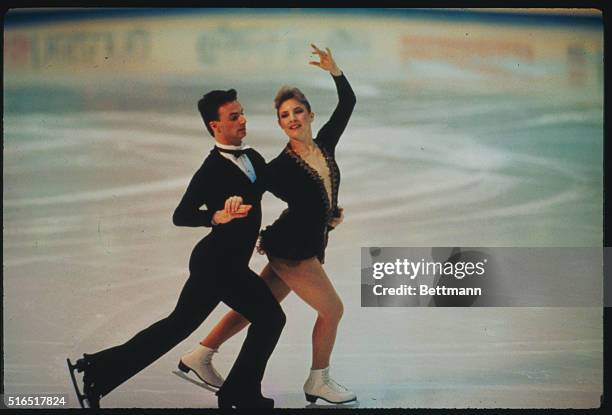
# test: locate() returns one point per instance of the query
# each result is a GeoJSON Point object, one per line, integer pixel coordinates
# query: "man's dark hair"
{"type": "Point", "coordinates": [209, 105]}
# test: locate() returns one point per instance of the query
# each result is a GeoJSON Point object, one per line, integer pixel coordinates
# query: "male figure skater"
{"type": "Point", "coordinates": [218, 269]}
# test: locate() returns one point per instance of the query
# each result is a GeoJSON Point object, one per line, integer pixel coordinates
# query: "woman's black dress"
{"type": "Point", "coordinates": [301, 230]}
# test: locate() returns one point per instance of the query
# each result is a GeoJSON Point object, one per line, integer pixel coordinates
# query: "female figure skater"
{"type": "Point", "coordinates": [306, 176]}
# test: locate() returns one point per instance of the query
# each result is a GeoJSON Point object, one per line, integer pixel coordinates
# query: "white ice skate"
{"type": "Point", "coordinates": [320, 385]}
{"type": "Point", "coordinates": [199, 360]}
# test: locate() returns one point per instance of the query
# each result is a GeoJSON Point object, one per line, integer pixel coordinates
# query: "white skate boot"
{"type": "Point", "coordinates": [200, 361]}
{"type": "Point", "coordinates": [320, 385]}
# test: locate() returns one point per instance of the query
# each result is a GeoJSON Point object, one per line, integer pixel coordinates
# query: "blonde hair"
{"type": "Point", "coordinates": [286, 93]}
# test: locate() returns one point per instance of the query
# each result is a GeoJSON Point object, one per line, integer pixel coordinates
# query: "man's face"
{"type": "Point", "coordinates": [231, 127]}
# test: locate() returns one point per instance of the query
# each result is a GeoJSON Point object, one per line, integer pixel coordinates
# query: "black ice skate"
{"type": "Point", "coordinates": [89, 395]}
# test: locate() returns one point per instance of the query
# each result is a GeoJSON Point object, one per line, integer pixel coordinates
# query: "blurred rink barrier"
{"type": "Point", "coordinates": [550, 51]}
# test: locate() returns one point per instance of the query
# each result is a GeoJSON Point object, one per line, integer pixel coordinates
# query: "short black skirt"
{"type": "Point", "coordinates": [284, 241]}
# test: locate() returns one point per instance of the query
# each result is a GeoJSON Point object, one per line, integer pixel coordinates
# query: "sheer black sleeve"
{"type": "Point", "coordinates": [330, 133]}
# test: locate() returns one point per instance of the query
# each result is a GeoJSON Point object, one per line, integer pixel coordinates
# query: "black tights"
{"type": "Point", "coordinates": [241, 290]}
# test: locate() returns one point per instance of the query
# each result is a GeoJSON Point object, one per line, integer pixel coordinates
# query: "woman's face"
{"type": "Point", "coordinates": [295, 119]}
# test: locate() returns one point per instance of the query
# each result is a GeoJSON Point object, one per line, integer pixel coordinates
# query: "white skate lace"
{"type": "Point", "coordinates": [332, 383]}
{"type": "Point", "coordinates": [208, 362]}
{"type": "Point", "coordinates": [208, 357]}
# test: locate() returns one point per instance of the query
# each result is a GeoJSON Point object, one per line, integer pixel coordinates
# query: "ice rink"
{"type": "Point", "coordinates": [90, 254]}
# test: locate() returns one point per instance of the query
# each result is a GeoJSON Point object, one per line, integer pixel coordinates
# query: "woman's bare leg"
{"type": "Point", "coordinates": [310, 282]}
{"type": "Point", "coordinates": [232, 322]}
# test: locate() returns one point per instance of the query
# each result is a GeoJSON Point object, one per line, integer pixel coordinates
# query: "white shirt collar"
{"type": "Point", "coordinates": [230, 147]}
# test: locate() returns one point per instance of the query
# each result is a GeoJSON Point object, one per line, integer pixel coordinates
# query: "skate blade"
{"type": "Point", "coordinates": [198, 382]}
{"type": "Point", "coordinates": [81, 396]}
{"type": "Point", "coordinates": [312, 399]}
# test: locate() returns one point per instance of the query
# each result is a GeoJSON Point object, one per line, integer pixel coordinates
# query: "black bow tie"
{"type": "Point", "coordinates": [235, 153]}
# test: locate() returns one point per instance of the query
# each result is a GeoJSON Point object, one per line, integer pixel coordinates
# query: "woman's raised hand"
{"type": "Point", "coordinates": [326, 61]}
